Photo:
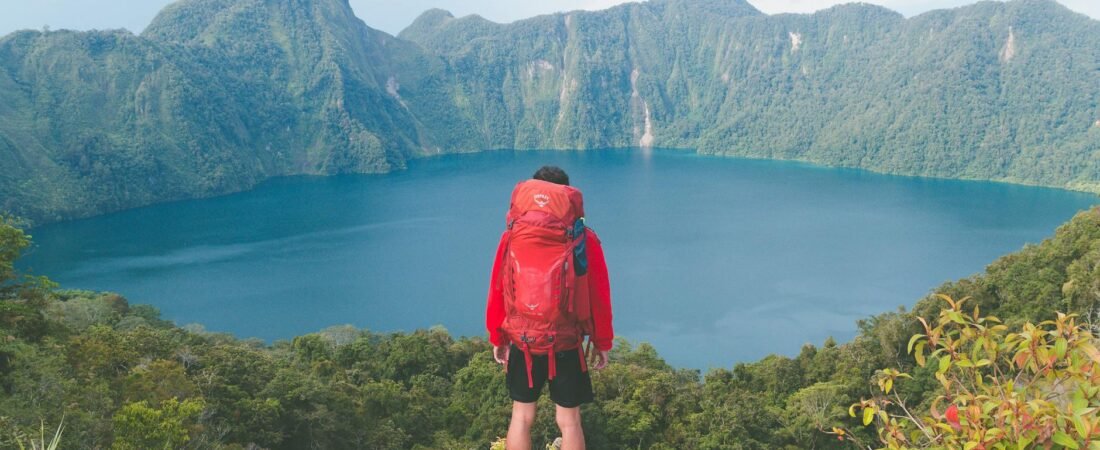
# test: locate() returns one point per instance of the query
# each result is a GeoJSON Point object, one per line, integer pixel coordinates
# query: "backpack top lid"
{"type": "Point", "coordinates": [560, 201]}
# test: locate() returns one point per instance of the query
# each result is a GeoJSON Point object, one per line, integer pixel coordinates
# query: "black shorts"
{"type": "Point", "coordinates": [570, 387]}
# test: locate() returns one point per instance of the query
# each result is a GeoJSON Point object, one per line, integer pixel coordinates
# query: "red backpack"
{"type": "Point", "coordinates": [545, 290]}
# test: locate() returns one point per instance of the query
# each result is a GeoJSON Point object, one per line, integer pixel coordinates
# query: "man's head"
{"type": "Point", "coordinates": [553, 174]}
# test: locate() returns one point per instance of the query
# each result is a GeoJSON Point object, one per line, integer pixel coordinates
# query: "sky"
{"type": "Point", "coordinates": [394, 15]}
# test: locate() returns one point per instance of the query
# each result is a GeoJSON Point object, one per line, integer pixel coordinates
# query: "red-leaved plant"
{"type": "Point", "coordinates": [1038, 387]}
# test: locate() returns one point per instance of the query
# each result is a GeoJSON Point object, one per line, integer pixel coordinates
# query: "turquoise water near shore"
{"type": "Point", "coordinates": [712, 260]}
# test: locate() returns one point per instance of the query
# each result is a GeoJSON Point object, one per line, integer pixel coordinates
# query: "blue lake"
{"type": "Point", "coordinates": [712, 260]}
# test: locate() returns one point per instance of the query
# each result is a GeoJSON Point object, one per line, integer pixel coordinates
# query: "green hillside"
{"type": "Point", "coordinates": [213, 97]}
{"type": "Point", "coordinates": [218, 95]}
{"type": "Point", "coordinates": [1001, 91]}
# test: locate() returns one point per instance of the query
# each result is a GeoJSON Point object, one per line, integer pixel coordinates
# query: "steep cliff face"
{"type": "Point", "coordinates": [991, 91]}
{"type": "Point", "coordinates": [217, 95]}
{"type": "Point", "coordinates": [337, 78]}
{"type": "Point", "coordinates": [105, 120]}
{"type": "Point", "coordinates": [213, 97]}
{"type": "Point", "coordinates": [584, 79]}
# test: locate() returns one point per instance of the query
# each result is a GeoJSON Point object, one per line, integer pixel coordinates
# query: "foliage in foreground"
{"type": "Point", "coordinates": [40, 443]}
{"type": "Point", "coordinates": [121, 377]}
{"type": "Point", "coordinates": [1036, 387]}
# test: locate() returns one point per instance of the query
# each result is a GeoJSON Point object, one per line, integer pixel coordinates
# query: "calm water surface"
{"type": "Point", "coordinates": [712, 260]}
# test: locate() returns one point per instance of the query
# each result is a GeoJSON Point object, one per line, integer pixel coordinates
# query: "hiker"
{"type": "Point", "coordinates": [548, 290]}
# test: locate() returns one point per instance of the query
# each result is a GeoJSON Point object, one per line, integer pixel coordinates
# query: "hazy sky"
{"type": "Point", "coordinates": [394, 15]}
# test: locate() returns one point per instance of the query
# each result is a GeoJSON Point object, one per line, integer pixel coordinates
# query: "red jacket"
{"type": "Point", "coordinates": [599, 294]}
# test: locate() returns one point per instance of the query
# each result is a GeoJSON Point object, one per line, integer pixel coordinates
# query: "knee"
{"type": "Point", "coordinates": [569, 418]}
{"type": "Point", "coordinates": [523, 414]}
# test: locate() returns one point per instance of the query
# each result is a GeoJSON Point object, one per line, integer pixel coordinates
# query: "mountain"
{"type": "Point", "coordinates": [1001, 91]}
{"type": "Point", "coordinates": [214, 97]}
{"type": "Point", "coordinates": [218, 95]}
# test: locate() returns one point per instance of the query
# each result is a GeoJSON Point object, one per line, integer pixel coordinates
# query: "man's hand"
{"type": "Point", "coordinates": [500, 353]}
{"type": "Point", "coordinates": [601, 359]}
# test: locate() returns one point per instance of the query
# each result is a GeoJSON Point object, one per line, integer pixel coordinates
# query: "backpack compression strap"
{"type": "Point", "coordinates": [551, 361]}
{"type": "Point", "coordinates": [527, 360]}
{"type": "Point", "coordinates": [583, 352]}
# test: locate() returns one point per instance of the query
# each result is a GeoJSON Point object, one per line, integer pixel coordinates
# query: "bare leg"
{"type": "Point", "coordinates": [519, 431]}
{"type": "Point", "coordinates": [569, 422]}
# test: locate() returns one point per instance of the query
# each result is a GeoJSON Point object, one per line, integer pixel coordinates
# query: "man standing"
{"type": "Point", "coordinates": [549, 289]}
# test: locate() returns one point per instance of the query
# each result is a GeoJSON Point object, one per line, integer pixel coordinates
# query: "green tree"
{"type": "Point", "coordinates": [138, 426]}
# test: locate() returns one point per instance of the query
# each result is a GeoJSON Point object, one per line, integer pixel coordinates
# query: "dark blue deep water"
{"type": "Point", "coordinates": [712, 260]}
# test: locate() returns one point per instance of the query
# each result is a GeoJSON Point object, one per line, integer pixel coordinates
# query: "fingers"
{"type": "Point", "coordinates": [601, 360]}
{"type": "Point", "coordinates": [500, 354]}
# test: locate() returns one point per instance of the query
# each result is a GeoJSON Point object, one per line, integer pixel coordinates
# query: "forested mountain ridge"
{"type": "Point", "coordinates": [1002, 91]}
{"type": "Point", "coordinates": [218, 95]}
{"type": "Point", "coordinates": [213, 97]}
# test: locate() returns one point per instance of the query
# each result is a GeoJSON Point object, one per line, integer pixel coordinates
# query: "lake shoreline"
{"type": "Point", "coordinates": [754, 256]}
{"type": "Point", "coordinates": [805, 162]}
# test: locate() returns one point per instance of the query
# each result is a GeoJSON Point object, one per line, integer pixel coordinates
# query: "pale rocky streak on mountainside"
{"type": "Point", "coordinates": [218, 95]}
{"type": "Point", "coordinates": [1009, 50]}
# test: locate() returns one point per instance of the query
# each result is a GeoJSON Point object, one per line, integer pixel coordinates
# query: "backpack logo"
{"type": "Point", "coordinates": [542, 200]}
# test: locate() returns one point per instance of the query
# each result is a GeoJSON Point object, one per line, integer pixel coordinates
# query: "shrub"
{"type": "Point", "coordinates": [1035, 387]}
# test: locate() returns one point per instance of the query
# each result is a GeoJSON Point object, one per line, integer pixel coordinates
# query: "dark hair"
{"type": "Point", "coordinates": [553, 174]}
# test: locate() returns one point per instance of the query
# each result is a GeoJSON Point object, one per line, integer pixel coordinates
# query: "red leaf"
{"type": "Point", "coordinates": [952, 415]}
